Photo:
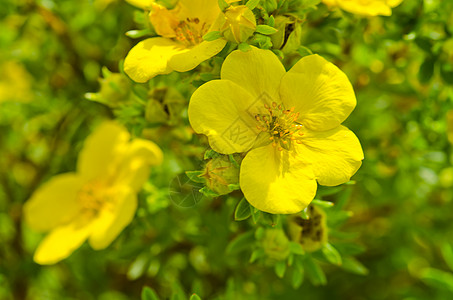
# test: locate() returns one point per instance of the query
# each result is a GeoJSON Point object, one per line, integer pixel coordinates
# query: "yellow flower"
{"type": "Point", "coordinates": [289, 122]}
{"type": "Point", "coordinates": [180, 46]}
{"type": "Point", "coordinates": [98, 200]}
{"type": "Point", "coordinates": [365, 7]}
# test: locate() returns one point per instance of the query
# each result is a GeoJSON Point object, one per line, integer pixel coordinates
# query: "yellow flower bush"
{"type": "Point", "coordinates": [180, 46]}
{"type": "Point", "coordinates": [288, 122]}
{"type": "Point", "coordinates": [365, 7]}
{"type": "Point", "coordinates": [98, 200]}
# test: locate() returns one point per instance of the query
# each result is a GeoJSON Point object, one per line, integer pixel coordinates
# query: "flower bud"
{"type": "Point", "coordinates": [115, 88]}
{"type": "Point", "coordinates": [238, 24]}
{"type": "Point", "coordinates": [311, 233]}
{"type": "Point", "coordinates": [221, 171]}
{"type": "Point", "coordinates": [288, 36]}
{"type": "Point", "coordinates": [275, 244]}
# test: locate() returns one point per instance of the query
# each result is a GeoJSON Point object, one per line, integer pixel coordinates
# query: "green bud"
{"type": "Point", "coordinates": [115, 88]}
{"type": "Point", "coordinates": [164, 105]}
{"type": "Point", "coordinates": [311, 233]}
{"type": "Point", "coordinates": [288, 36]}
{"type": "Point", "coordinates": [238, 24]}
{"type": "Point", "coordinates": [222, 171]}
{"type": "Point", "coordinates": [275, 244]}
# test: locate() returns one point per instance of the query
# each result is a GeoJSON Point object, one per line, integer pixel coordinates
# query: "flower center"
{"type": "Point", "coordinates": [191, 31]}
{"type": "Point", "coordinates": [94, 197]}
{"type": "Point", "coordinates": [281, 124]}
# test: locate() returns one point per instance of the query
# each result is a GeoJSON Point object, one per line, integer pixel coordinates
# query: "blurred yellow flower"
{"type": "Point", "coordinates": [289, 122]}
{"type": "Point", "coordinates": [365, 7]}
{"type": "Point", "coordinates": [98, 200]}
{"type": "Point", "coordinates": [15, 82]}
{"type": "Point", "coordinates": [181, 46]}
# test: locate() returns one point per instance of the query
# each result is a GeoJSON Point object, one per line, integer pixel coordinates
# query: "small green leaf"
{"type": "Point", "coordinates": [223, 5]}
{"type": "Point", "coordinates": [447, 254]}
{"type": "Point", "coordinates": [265, 29]}
{"type": "Point", "coordinates": [354, 266]}
{"type": "Point", "coordinates": [234, 187]}
{"type": "Point", "coordinates": [242, 211]}
{"type": "Point", "coordinates": [331, 254]}
{"type": "Point", "coordinates": [256, 214]}
{"type": "Point", "coordinates": [304, 215]}
{"type": "Point", "coordinates": [241, 242]}
{"type": "Point", "coordinates": [135, 34]}
{"type": "Point", "coordinates": [321, 203]}
{"type": "Point", "coordinates": [314, 272]}
{"type": "Point", "coordinates": [195, 297]}
{"type": "Point", "coordinates": [271, 21]}
{"type": "Point", "coordinates": [280, 268]}
{"type": "Point", "coordinates": [298, 275]}
{"type": "Point", "coordinates": [208, 192]}
{"type": "Point", "coordinates": [195, 176]}
{"type": "Point", "coordinates": [149, 294]}
{"type": "Point", "coordinates": [296, 248]}
{"type": "Point", "coordinates": [212, 36]}
{"type": "Point", "coordinates": [270, 218]}
{"type": "Point", "coordinates": [244, 47]}
{"type": "Point", "coordinates": [437, 278]}
{"type": "Point", "coordinates": [252, 3]}
{"type": "Point", "coordinates": [258, 253]}
{"type": "Point", "coordinates": [426, 70]}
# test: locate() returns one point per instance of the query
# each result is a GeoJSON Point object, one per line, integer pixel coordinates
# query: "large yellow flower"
{"type": "Point", "coordinates": [365, 7]}
{"type": "Point", "coordinates": [98, 200]}
{"type": "Point", "coordinates": [288, 122]}
{"type": "Point", "coordinates": [181, 46]}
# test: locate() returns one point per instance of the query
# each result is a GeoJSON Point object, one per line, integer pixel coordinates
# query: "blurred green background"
{"type": "Point", "coordinates": [400, 227]}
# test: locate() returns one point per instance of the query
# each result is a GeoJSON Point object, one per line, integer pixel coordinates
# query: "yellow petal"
{"type": "Point", "coordinates": [393, 3]}
{"type": "Point", "coordinates": [143, 4]}
{"type": "Point", "coordinates": [335, 154]}
{"type": "Point", "coordinates": [102, 149]}
{"type": "Point", "coordinates": [163, 20]}
{"type": "Point", "coordinates": [206, 11]}
{"type": "Point", "coordinates": [150, 58]}
{"type": "Point", "coordinates": [319, 91]}
{"type": "Point", "coordinates": [61, 242]}
{"type": "Point", "coordinates": [257, 71]}
{"type": "Point", "coordinates": [276, 181]}
{"type": "Point", "coordinates": [369, 8]}
{"type": "Point", "coordinates": [135, 167]}
{"type": "Point", "coordinates": [54, 203]}
{"type": "Point", "coordinates": [220, 110]}
{"type": "Point", "coordinates": [186, 61]}
{"type": "Point", "coordinates": [111, 222]}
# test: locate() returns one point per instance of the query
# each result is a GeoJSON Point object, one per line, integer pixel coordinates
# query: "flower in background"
{"type": "Point", "coordinates": [98, 200]}
{"type": "Point", "coordinates": [180, 46]}
{"type": "Point", "coordinates": [365, 7]}
{"type": "Point", "coordinates": [288, 122]}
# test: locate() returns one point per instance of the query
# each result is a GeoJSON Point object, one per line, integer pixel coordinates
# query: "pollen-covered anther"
{"type": "Point", "coordinates": [190, 31]}
{"type": "Point", "coordinates": [281, 124]}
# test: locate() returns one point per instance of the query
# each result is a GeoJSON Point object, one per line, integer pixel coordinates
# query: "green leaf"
{"type": "Point", "coordinates": [212, 36]}
{"type": "Point", "coordinates": [321, 203]}
{"type": "Point", "coordinates": [298, 275]}
{"type": "Point", "coordinates": [331, 254]}
{"type": "Point", "coordinates": [223, 5]}
{"type": "Point", "coordinates": [244, 47]}
{"type": "Point", "coordinates": [426, 70]}
{"type": "Point", "coordinates": [252, 3]}
{"type": "Point", "coordinates": [265, 29]}
{"type": "Point", "coordinates": [208, 192]}
{"type": "Point", "coordinates": [304, 51]}
{"type": "Point", "coordinates": [271, 21]}
{"type": "Point", "coordinates": [256, 214]}
{"type": "Point", "coordinates": [446, 71]}
{"type": "Point", "coordinates": [195, 297]}
{"type": "Point", "coordinates": [135, 34]}
{"type": "Point", "coordinates": [149, 294]}
{"type": "Point", "coordinates": [258, 253]}
{"type": "Point", "coordinates": [241, 242]}
{"type": "Point", "coordinates": [314, 272]}
{"type": "Point", "coordinates": [354, 266]}
{"type": "Point", "coordinates": [270, 218]}
{"type": "Point", "coordinates": [195, 176]}
{"type": "Point", "coordinates": [234, 187]}
{"type": "Point", "coordinates": [304, 215]}
{"type": "Point", "coordinates": [280, 268]}
{"type": "Point", "coordinates": [437, 278]}
{"type": "Point", "coordinates": [447, 254]}
{"type": "Point", "coordinates": [242, 211]}
{"type": "Point", "coordinates": [296, 248]}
